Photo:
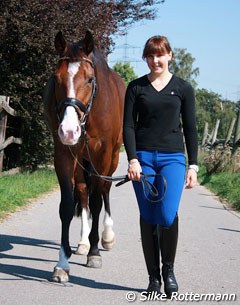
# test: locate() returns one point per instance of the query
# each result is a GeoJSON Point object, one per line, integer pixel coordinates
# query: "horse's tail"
{"type": "Point", "coordinates": [77, 202]}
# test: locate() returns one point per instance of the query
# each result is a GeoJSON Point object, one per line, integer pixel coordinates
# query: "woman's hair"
{"type": "Point", "coordinates": [156, 45]}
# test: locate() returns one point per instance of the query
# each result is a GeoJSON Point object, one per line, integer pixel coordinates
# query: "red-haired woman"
{"type": "Point", "coordinates": [159, 114]}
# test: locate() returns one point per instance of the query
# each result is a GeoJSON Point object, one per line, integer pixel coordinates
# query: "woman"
{"type": "Point", "coordinates": [158, 106]}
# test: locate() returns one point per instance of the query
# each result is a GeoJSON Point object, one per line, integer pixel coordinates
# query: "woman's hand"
{"type": "Point", "coordinates": [134, 170]}
{"type": "Point", "coordinates": [191, 178]}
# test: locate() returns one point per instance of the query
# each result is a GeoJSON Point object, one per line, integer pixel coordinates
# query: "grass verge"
{"type": "Point", "coordinates": [224, 184]}
{"type": "Point", "coordinates": [16, 190]}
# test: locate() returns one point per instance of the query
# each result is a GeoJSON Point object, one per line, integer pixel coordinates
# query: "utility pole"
{"type": "Point", "coordinates": [124, 54]}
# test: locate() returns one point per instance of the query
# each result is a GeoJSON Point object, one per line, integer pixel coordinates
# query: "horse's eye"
{"type": "Point", "coordinates": [90, 80]}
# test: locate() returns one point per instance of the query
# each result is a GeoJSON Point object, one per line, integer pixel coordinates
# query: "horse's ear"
{"type": "Point", "coordinates": [60, 44]}
{"type": "Point", "coordinates": [88, 42]}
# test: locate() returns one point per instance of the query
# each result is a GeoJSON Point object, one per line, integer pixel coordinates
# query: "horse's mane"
{"type": "Point", "coordinates": [99, 60]}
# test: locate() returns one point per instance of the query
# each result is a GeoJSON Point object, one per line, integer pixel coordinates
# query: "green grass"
{"type": "Point", "coordinates": [224, 184]}
{"type": "Point", "coordinates": [16, 190]}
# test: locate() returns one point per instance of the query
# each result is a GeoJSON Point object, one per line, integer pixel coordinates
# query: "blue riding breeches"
{"type": "Point", "coordinates": [170, 165]}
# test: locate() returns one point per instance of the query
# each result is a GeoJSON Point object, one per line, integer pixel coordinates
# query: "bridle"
{"type": "Point", "coordinates": [78, 105]}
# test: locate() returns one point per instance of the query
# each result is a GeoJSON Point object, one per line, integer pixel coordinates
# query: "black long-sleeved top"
{"type": "Point", "coordinates": [153, 120]}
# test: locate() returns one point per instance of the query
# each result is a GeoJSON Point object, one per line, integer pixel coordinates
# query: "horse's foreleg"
{"type": "Point", "coordinates": [66, 211]}
{"type": "Point", "coordinates": [108, 236]}
{"type": "Point", "coordinates": [94, 259]}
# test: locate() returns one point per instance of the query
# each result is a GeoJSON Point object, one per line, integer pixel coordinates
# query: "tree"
{"type": "Point", "coordinates": [209, 107]}
{"type": "Point", "coordinates": [182, 66]}
{"type": "Point", "coordinates": [125, 71]}
{"type": "Point", "coordinates": [27, 56]}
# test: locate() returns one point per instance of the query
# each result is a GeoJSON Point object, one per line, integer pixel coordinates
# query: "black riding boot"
{"type": "Point", "coordinates": [150, 245]}
{"type": "Point", "coordinates": [168, 246]}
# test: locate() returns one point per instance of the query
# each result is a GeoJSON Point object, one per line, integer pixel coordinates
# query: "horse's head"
{"type": "Point", "coordinates": [74, 86]}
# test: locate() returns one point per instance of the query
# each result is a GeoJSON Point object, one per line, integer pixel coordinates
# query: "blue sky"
{"type": "Point", "coordinates": [208, 29]}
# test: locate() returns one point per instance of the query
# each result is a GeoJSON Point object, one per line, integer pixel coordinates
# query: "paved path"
{"type": "Point", "coordinates": [207, 259]}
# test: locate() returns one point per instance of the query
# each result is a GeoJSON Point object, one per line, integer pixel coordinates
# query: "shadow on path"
{"type": "Point", "coordinates": [19, 272]}
{"type": "Point", "coordinates": [7, 241]}
{"type": "Point", "coordinates": [231, 230]}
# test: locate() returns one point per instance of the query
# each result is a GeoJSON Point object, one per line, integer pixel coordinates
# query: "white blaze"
{"type": "Point", "coordinates": [72, 71]}
{"type": "Point", "coordinates": [69, 130]}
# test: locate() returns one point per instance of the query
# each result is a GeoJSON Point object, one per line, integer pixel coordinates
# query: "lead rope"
{"type": "Point", "coordinates": [146, 185]}
{"type": "Point", "coordinates": [152, 188]}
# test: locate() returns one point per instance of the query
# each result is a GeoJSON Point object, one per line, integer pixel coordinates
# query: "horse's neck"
{"type": "Point", "coordinates": [100, 61]}
{"type": "Point", "coordinates": [101, 70]}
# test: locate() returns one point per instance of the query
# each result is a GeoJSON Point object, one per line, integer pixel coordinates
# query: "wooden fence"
{"type": "Point", "coordinates": [5, 110]}
{"type": "Point", "coordinates": [209, 139]}
{"type": "Point", "coordinates": [222, 153]}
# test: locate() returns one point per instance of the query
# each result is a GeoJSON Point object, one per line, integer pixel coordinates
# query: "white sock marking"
{"type": "Point", "coordinates": [85, 227]}
{"type": "Point", "coordinates": [108, 222]}
{"type": "Point", "coordinates": [63, 260]}
{"type": "Point", "coordinates": [108, 233]}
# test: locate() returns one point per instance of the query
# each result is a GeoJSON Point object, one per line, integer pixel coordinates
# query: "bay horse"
{"type": "Point", "coordinates": [84, 101]}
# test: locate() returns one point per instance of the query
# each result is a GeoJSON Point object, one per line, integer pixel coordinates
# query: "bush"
{"type": "Point", "coordinates": [27, 55]}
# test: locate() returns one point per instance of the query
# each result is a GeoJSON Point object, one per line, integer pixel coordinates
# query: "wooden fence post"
{"type": "Point", "coordinates": [205, 134]}
{"type": "Point", "coordinates": [230, 130]}
{"type": "Point", "coordinates": [236, 145]}
{"type": "Point", "coordinates": [237, 130]}
{"type": "Point", "coordinates": [5, 109]}
{"type": "Point", "coordinates": [215, 132]}
{"type": "Point", "coordinates": [3, 124]}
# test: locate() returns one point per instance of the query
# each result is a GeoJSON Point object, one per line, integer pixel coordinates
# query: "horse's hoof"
{"type": "Point", "coordinates": [82, 249]}
{"type": "Point", "coordinates": [60, 276]}
{"type": "Point", "coordinates": [94, 261]}
{"type": "Point", "coordinates": [108, 244]}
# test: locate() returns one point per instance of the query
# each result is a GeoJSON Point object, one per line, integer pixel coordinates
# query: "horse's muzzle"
{"type": "Point", "coordinates": [69, 130]}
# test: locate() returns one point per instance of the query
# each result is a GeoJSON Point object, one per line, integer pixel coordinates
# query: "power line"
{"type": "Point", "coordinates": [124, 57]}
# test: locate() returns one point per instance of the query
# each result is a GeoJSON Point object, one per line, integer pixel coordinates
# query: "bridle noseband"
{"type": "Point", "coordinates": [74, 102]}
